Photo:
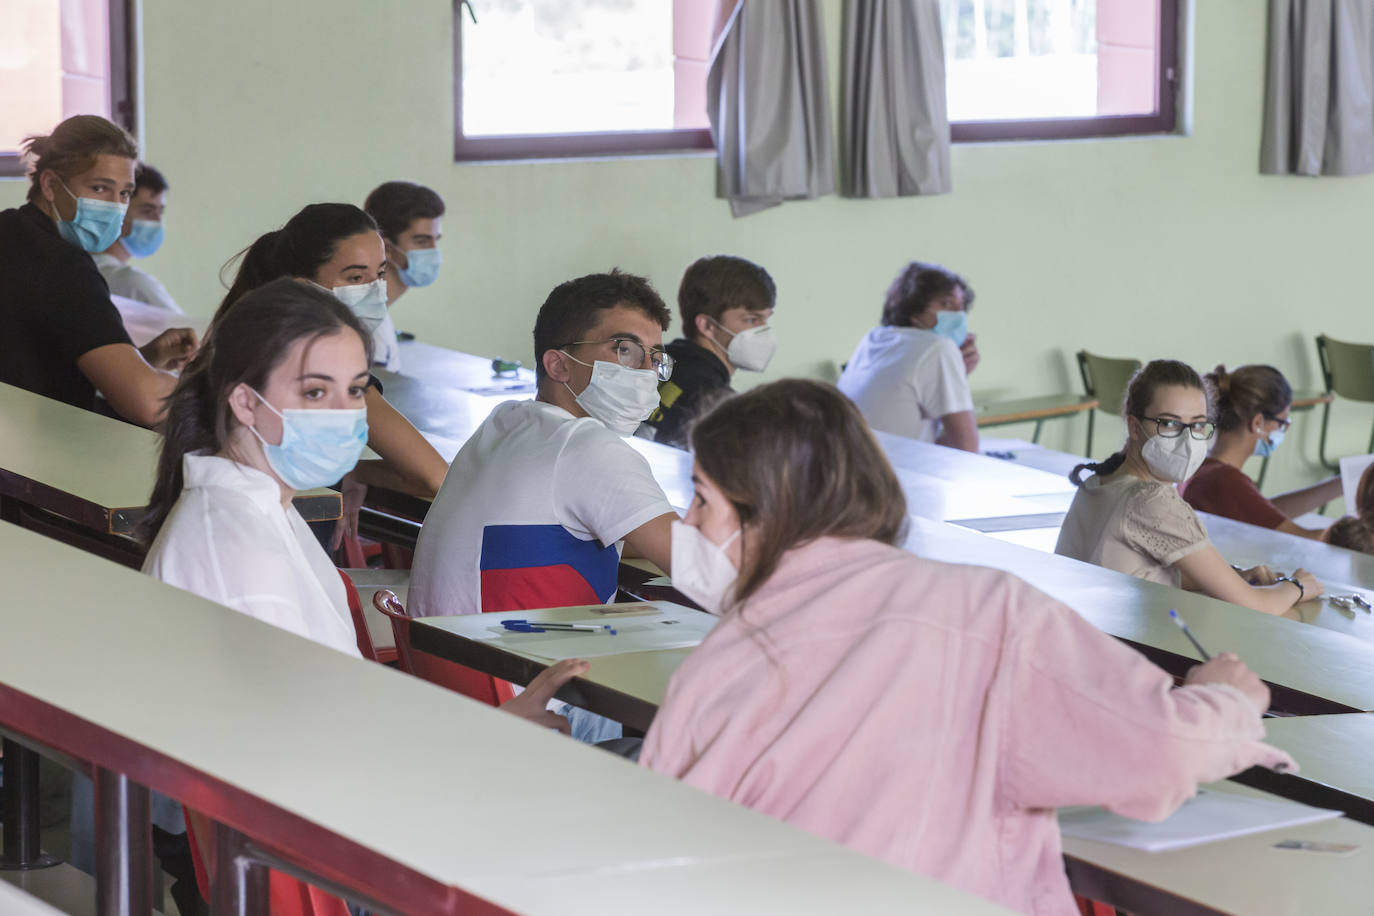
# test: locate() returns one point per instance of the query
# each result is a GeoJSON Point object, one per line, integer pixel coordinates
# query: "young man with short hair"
{"type": "Point", "coordinates": [537, 501]}
{"type": "Point", "coordinates": [410, 218]}
{"type": "Point", "coordinates": [726, 304]}
{"type": "Point", "coordinates": [140, 238]}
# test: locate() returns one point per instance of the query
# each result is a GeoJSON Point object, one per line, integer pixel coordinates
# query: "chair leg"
{"type": "Point", "coordinates": [1088, 449]}
{"type": "Point", "coordinates": [1035, 436]}
{"type": "Point", "coordinates": [1321, 444]}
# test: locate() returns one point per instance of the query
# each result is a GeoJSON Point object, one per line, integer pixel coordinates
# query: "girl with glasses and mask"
{"type": "Point", "coordinates": [273, 403]}
{"type": "Point", "coordinates": [898, 705]}
{"type": "Point", "coordinates": [1129, 516]}
{"type": "Point", "coordinates": [337, 248]}
{"type": "Point", "coordinates": [1253, 405]}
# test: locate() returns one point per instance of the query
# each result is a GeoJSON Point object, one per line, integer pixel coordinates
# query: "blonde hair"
{"type": "Point", "coordinates": [73, 146]}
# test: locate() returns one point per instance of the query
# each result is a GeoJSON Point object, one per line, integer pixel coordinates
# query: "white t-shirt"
{"type": "Point", "coordinates": [229, 539]}
{"type": "Point", "coordinates": [128, 281]}
{"type": "Point", "coordinates": [903, 380]}
{"type": "Point", "coordinates": [530, 515]}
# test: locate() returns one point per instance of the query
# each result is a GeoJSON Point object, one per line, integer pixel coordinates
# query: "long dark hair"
{"type": "Point", "coordinates": [298, 249]}
{"type": "Point", "coordinates": [1140, 391]}
{"type": "Point", "coordinates": [250, 341]}
{"type": "Point", "coordinates": [797, 461]}
{"type": "Point", "coordinates": [1247, 391]}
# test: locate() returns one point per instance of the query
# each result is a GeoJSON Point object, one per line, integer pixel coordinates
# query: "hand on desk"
{"type": "Point", "coordinates": [1227, 668]}
{"type": "Point", "coordinates": [533, 702]}
{"type": "Point", "coordinates": [171, 349]}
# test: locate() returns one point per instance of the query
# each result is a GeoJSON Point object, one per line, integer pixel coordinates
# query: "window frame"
{"type": "Point", "coordinates": [123, 63]}
{"type": "Point", "coordinates": [1168, 83]}
{"type": "Point", "coordinates": [561, 146]}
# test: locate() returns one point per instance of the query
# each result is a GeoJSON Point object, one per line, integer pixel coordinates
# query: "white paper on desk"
{"type": "Point", "coordinates": [1351, 470]}
{"type": "Point", "coordinates": [635, 634]}
{"type": "Point", "coordinates": [1209, 817]}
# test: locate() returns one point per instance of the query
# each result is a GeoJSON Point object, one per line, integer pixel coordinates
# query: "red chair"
{"type": "Point", "coordinates": [355, 607]}
{"type": "Point", "coordinates": [287, 896]}
{"type": "Point", "coordinates": [464, 680]}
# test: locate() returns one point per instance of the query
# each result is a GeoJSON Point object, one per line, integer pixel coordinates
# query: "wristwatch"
{"type": "Point", "coordinates": [1302, 592]}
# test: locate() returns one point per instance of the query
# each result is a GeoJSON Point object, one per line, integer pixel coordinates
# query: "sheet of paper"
{"type": "Point", "coordinates": [1209, 817]}
{"type": "Point", "coordinates": [1351, 469]}
{"type": "Point", "coordinates": [673, 627]}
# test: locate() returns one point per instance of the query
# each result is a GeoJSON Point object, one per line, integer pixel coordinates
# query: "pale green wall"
{"type": "Point", "coordinates": [1154, 247]}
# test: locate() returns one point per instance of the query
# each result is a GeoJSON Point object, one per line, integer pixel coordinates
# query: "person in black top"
{"type": "Point", "coordinates": [726, 303]}
{"type": "Point", "coordinates": [63, 337]}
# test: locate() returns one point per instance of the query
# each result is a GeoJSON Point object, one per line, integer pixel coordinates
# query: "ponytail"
{"type": "Point", "coordinates": [1247, 391]}
{"type": "Point", "coordinates": [1100, 468]}
{"type": "Point", "coordinates": [189, 425]}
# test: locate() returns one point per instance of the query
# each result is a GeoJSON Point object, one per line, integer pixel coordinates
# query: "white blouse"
{"type": "Point", "coordinates": [229, 539]}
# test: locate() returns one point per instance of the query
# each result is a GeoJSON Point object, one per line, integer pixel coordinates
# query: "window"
{"type": "Point", "coordinates": [59, 58]}
{"type": "Point", "coordinates": [1043, 69]}
{"type": "Point", "coordinates": [541, 78]}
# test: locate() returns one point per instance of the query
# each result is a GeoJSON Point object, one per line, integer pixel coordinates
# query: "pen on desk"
{"type": "Point", "coordinates": [1173, 614]}
{"type": "Point", "coordinates": [539, 626]}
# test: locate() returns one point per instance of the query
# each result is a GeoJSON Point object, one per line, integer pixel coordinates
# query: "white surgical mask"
{"type": "Point", "coordinates": [619, 397]}
{"type": "Point", "coordinates": [750, 349]}
{"type": "Point", "coordinates": [366, 300]}
{"type": "Point", "coordinates": [701, 569]}
{"type": "Point", "coordinates": [1174, 459]}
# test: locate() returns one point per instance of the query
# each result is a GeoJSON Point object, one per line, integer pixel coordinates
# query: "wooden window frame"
{"type": "Point", "coordinates": [122, 83]}
{"type": "Point", "coordinates": [561, 146]}
{"type": "Point", "coordinates": [1163, 121]}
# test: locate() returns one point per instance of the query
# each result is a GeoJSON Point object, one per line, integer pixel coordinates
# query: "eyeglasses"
{"type": "Point", "coordinates": [1169, 428]}
{"type": "Point", "coordinates": [1283, 424]}
{"type": "Point", "coordinates": [630, 353]}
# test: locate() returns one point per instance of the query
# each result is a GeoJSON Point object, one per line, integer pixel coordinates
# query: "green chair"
{"type": "Point", "coordinates": [1348, 371]}
{"type": "Point", "coordinates": [1105, 379]}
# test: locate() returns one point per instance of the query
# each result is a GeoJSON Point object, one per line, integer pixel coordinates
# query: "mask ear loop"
{"type": "Point", "coordinates": [580, 363]}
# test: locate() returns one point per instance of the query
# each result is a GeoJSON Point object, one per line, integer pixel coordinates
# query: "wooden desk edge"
{"type": "Point", "coordinates": [1038, 413]}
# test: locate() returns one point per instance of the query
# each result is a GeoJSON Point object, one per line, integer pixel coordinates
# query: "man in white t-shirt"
{"type": "Point", "coordinates": [140, 237]}
{"type": "Point", "coordinates": [537, 502]}
{"type": "Point", "coordinates": [909, 376]}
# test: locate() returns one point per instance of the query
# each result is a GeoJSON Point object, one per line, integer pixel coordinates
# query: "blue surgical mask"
{"type": "Point", "coordinates": [953, 325]}
{"type": "Point", "coordinates": [144, 238]}
{"type": "Point", "coordinates": [96, 225]}
{"type": "Point", "coordinates": [318, 447]}
{"type": "Point", "coordinates": [423, 266]}
{"type": "Point", "coordinates": [1265, 447]}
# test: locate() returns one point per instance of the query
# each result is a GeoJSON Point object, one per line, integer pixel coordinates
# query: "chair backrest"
{"type": "Point", "coordinates": [1347, 368]}
{"type": "Point", "coordinates": [355, 607]}
{"type": "Point", "coordinates": [460, 678]}
{"type": "Point", "coordinates": [1106, 379]}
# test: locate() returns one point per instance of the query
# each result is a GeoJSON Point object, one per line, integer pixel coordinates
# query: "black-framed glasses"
{"type": "Point", "coordinates": [1283, 424]}
{"type": "Point", "coordinates": [1169, 428]}
{"type": "Point", "coordinates": [631, 354]}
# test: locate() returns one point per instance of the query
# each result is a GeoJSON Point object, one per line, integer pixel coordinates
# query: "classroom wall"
{"type": "Point", "coordinates": [1148, 247]}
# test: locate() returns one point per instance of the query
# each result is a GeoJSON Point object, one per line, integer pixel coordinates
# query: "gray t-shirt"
{"type": "Point", "coordinates": [1139, 527]}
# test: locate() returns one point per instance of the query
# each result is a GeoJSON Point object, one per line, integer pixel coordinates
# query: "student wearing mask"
{"type": "Point", "coordinates": [725, 304]}
{"type": "Point", "coordinates": [1253, 405]}
{"type": "Point", "coordinates": [63, 336]}
{"type": "Point", "coordinates": [925, 731]}
{"type": "Point", "coordinates": [909, 377]}
{"type": "Point", "coordinates": [275, 403]}
{"type": "Point", "coordinates": [537, 502]}
{"type": "Point", "coordinates": [1128, 515]}
{"type": "Point", "coordinates": [410, 218]}
{"type": "Point", "coordinates": [336, 247]}
{"type": "Point", "coordinates": [141, 237]}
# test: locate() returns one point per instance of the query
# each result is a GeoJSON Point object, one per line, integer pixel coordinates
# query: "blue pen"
{"type": "Point", "coordinates": [536, 626]}
{"type": "Point", "coordinates": [1189, 633]}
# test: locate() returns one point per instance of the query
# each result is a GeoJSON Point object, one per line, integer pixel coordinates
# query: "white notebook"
{"type": "Point", "coordinates": [1207, 818]}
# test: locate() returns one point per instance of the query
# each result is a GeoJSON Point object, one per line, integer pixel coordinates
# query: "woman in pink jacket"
{"type": "Point", "coordinates": [927, 714]}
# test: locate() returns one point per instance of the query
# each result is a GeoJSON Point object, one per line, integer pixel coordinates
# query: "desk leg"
{"type": "Point", "coordinates": [1035, 436]}
{"type": "Point", "coordinates": [238, 884]}
{"type": "Point", "coordinates": [123, 846]}
{"type": "Point", "coordinates": [21, 850]}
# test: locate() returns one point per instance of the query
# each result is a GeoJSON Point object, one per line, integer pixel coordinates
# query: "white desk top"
{"type": "Point", "coordinates": [1337, 751]}
{"type": "Point", "coordinates": [15, 902]}
{"type": "Point", "coordinates": [469, 802]}
{"type": "Point", "coordinates": [1246, 876]}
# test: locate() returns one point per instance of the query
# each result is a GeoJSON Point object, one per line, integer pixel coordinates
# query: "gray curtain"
{"type": "Point", "coordinates": [1318, 112]}
{"type": "Point", "coordinates": [769, 103]}
{"type": "Point", "coordinates": [894, 138]}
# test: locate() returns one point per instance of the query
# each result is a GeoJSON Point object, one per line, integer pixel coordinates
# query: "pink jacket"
{"type": "Point", "coordinates": [934, 716]}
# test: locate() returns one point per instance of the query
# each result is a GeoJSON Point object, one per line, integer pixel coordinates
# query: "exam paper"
{"type": "Point", "coordinates": [1207, 818]}
{"type": "Point", "coordinates": [1351, 470]}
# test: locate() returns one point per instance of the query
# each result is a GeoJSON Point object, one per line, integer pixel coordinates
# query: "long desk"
{"type": "Point", "coordinates": [85, 478]}
{"type": "Point", "coordinates": [460, 809]}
